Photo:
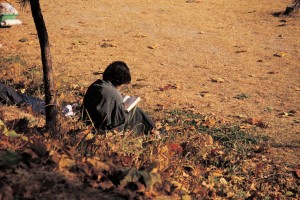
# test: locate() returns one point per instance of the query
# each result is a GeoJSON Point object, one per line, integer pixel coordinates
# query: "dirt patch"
{"type": "Point", "coordinates": [220, 49]}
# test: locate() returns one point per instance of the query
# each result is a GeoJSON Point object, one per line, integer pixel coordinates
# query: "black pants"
{"type": "Point", "coordinates": [139, 121]}
{"type": "Point", "coordinates": [9, 96]}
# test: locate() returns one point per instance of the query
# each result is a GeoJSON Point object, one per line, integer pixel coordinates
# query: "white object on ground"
{"type": "Point", "coordinates": [11, 22]}
{"type": "Point", "coordinates": [68, 111]}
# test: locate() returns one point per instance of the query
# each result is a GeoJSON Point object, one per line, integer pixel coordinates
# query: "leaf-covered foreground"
{"type": "Point", "coordinates": [196, 157]}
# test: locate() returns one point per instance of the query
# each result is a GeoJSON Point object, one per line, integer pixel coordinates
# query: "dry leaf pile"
{"type": "Point", "coordinates": [198, 156]}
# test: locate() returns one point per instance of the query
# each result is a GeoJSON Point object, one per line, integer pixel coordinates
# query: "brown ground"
{"type": "Point", "coordinates": [182, 43]}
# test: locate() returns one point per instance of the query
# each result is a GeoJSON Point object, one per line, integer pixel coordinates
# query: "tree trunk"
{"type": "Point", "coordinates": [49, 89]}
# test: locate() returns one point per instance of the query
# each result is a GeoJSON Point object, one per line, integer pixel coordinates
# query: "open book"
{"type": "Point", "coordinates": [130, 102]}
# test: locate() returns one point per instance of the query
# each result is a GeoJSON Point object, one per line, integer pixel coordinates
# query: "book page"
{"type": "Point", "coordinates": [131, 102]}
{"type": "Point", "coordinates": [125, 97]}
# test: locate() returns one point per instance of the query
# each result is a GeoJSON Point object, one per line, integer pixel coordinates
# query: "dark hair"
{"type": "Point", "coordinates": [117, 73]}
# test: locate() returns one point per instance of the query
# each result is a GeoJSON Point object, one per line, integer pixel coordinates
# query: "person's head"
{"type": "Point", "coordinates": [117, 73]}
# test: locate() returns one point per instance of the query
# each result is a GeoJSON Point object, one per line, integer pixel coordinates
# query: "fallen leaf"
{"type": "Point", "coordinates": [106, 45]}
{"type": "Point", "coordinates": [217, 80]}
{"type": "Point", "coordinates": [13, 134]}
{"type": "Point", "coordinates": [107, 40]}
{"type": "Point", "coordinates": [94, 184]}
{"type": "Point", "coordinates": [168, 186]}
{"type": "Point", "coordinates": [216, 152]}
{"type": "Point", "coordinates": [175, 148]}
{"type": "Point", "coordinates": [297, 171]}
{"type": "Point", "coordinates": [210, 140]}
{"type": "Point", "coordinates": [223, 181]}
{"type": "Point", "coordinates": [189, 170]}
{"type": "Point", "coordinates": [126, 160]}
{"type": "Point", "coordinates": [10, 157]}
{"type": "Point", "coordinates": [223, 120]}
{"type": "Point", "coordinates": [269, 108]}
{"type": "Point", "coordinates": [200, 190]}
{"type": "Point", "coordinates": [240, 116]}
{"type": "Point", "coordinates": [253, 120]}
{"type": "Point", "coordinates": [134, 175]}
{"type": "Point", "coordinates": [242, 96]}
{"type": "Point", "coordinates": [65, 162]}
{"type": "Point", "coordinates": [289, 193]}
{"type": "Point", "coordinates": [6, 192]}
{"type": "Point", "coordinates": [153, 46]}
{"type": "Point", "coordinates": [179, 186]}
{"type": "Point", "coordinates": [38, 146]}
{"type": "Point", "coordinates": [208, 185]}
{"type": "Point", "coordinates": [186, 197]}
{"type": "Point", "coordinates": [29, 42]}
{"type": "Point", "coordinates": [159, 107]}
{"type": "Point", "coordinates": [238, 178]}
{"type": "Point", "coordinates": [272, 72]}
{"type": "Point", "coordinates": [140, 35]}
{"type": "Point", "coordinates": [82, 42]}
{"type": "Point", "coordinates": [293, 111]}
{"type": "Point", "coordinates": [167, 128]}
{"type": "Point", "coordinates": [168, 86]}
{"type": "Point", "coordinates": [153, 167]}
{"type": "Point", "coordinates": [106, 185]}
{"type": "Point", "coordinates": [252, 186]}
{"type": "Point", "coordinates": [23, 40]}
{"type": "Point", "coordinates": [138, 86]}
{"type": "Point", "coordinates": [209, 121]}
{"type": "Point", "coordinates": [230, 195]}
{"type": "Point", "coordinates": [283, 114]}
{"type": "Point", "coordinates": [217, 174]}
{"type": "Point", "coordinates": [98, 166]}
{"type": "Point", "coordinates": [89, 137]}
{"type": "Point", "coordinates": [204, 94]}
{"type": "Point", "coordinates": [192, 1]}
{"type": "Point", "coordinates": [245, 126]}
{"type": "Point", "coordinates": [150, 178]}
{"type": "Point", "coordinates": [205, 140]}
{"type": "Point", "coordinates": [280, 54]}
{"type": "Point", "coordinates": [240, 51]}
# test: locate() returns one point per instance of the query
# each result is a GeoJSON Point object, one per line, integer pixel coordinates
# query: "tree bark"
{"type": "Point", "coordinates": [49, 87]}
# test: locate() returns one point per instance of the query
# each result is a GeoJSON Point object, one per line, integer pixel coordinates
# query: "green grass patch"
{"type": "Point", "coordinates": [12, 59]}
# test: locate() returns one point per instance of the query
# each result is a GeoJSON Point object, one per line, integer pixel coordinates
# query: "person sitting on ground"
{"type": "Point", "coordinates": [103, 103]}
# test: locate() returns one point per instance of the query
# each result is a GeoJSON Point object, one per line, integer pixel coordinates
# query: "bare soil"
{"type": "Point", "coordinates": [196, 54]}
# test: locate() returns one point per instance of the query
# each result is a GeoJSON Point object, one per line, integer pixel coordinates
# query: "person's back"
{"type": "Point", "coordinates": [103, 105]}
